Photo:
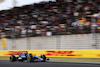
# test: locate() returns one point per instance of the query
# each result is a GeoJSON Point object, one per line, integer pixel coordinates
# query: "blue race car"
{"type": "Point", "coordinates": [28, 58]}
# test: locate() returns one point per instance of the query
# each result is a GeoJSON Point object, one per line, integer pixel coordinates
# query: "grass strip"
{"type": "Point", "coordinates": [4, 57]}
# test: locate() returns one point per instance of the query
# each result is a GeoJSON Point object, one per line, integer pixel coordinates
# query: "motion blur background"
{"type": "Point", "coordinates": [49, 24]}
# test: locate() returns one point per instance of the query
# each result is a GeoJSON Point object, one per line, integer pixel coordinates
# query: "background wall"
{"type": "Point", "coordinates": [63, 42]}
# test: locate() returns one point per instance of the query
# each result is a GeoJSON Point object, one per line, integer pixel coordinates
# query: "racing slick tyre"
{"type": "Point", "coordinates": [44, 58]}
{"type": "Point", "coordinates": [12, 58]}
{"type": "Point", "coordinates": [29, 58]}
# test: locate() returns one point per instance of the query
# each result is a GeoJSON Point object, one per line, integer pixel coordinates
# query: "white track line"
{"type": "Point", "coordinates": [77, 62]}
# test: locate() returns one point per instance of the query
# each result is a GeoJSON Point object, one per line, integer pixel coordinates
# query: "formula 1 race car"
{"type": "Point", "coordinates": [28, 58]}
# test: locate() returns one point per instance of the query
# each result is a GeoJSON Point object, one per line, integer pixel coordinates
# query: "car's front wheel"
{"type": "Point", "coordinates": [44, 58]}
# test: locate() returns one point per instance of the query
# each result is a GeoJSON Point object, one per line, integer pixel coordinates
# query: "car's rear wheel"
{"type": "Point", "coordinates": [11, 58]}
{"type": "Point", "coordinates": [29, 58]}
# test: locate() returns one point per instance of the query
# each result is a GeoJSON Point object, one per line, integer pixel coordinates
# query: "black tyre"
{"type": "Point", "coordinates": [29, 59]}
{"type": "Point", "coordinates": [44, 58]}
{"type": "Point", "coordinates": [12, 58]}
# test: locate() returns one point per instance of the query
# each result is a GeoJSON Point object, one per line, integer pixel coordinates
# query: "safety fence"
{"type": "Point", "coordinates": [57, 53]}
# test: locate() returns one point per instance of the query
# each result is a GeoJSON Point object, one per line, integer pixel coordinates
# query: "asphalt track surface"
{"type": "Point", "coordinates": [6, 63]}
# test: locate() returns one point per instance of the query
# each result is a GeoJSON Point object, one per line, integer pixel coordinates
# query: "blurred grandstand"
{"type": "Point", "coordinates": [59, 17]}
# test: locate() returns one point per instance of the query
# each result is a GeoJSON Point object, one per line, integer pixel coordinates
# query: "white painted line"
{"type": "Point", "coordinates": [77, 62]}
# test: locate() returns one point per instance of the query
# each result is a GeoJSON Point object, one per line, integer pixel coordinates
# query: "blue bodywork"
{"type": "Point", "coordinates": [38, 57]}
{"type": "Point", "coordinates": [21, 56]}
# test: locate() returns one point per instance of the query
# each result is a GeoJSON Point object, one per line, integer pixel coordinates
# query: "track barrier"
{"type": "Point", "coordinates": [56, 53]}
